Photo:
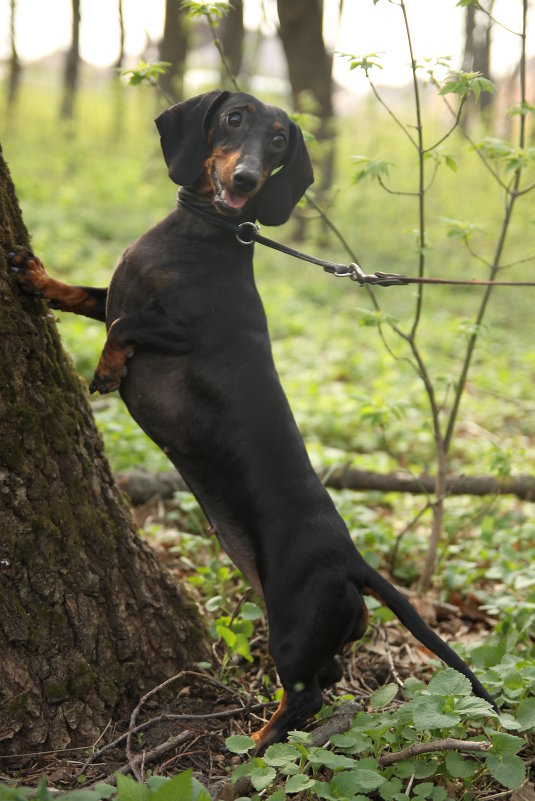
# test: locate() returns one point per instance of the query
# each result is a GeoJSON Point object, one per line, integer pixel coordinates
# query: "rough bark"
{"type": "Point", "coordinates": [173, 48]}
{"type": "Point", "coordinates": [140, 485]}
{"type": "Point", "coordinates": [88, 619]}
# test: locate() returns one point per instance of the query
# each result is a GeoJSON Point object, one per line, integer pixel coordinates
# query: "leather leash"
{"type": "Point", "coordinates": [247, 233]}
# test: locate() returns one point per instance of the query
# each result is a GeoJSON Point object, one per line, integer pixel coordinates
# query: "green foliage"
{"type": "Point", "coordinates": [353, 761]}
{"type": "Point", "coordinates": [465, 84]}
{"type": "Point", "coordinates": [146, 72]}
{"type": "Point", "coordinates": [184, 787]}
{"type": "Point", "coordinates": [212, 12]}
{"type": "Point", "coordinates": [365, 63]}
{"type": "Point", "coordinates": [370, 168]}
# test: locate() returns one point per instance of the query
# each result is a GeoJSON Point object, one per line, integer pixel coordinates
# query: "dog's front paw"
{"type": "Point", "coordinates": [30, 274]}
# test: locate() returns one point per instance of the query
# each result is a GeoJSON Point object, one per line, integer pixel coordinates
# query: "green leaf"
{"type": "Point", "coordinates": [239, 743]}
{"type": "Point", "coordinates": [322, 756]}
{"type": "Point", "coordinates": [383, 696]}
{"type": "Point", "coordinates": [280, 754]}
{"type": "Point", "coordinates": [526, 713]}
{"type": "Point", "coordinates": [184, 786]}
{"type": "Point", "coordinates": [250, 611]}
{"type": "Point", "coordinates": [428, 715]}
{"type": "Point", "coordinates": [466, 83]}
{"type": "Point", "coordinates": [296, 784]}
{"type": "Point", "coordinates": [458, 766]}
{"type": "Point", "coordinates": [213, 11]}
{"type": "Point", "coordinates": [262, 777]}
{"type": "Point", "coordinates": [503, 743]}
{"type": "Point", "coordinates": [365, 63]}
{"type": "Point", "coordinates": [449, 682]}
{"type": "Point", "coordinates": [214, 603]}
{"type": "Point", "coordinates": [226, 634]}
{"type": "Point", "coordinates": [105, 790]}
{"type": "Point", "coordinates": [278, 795]}
{"type": "Point", "coordinates": [130, 790]}
{"type": "Point", "coordinates": [474, 707]}
{"type": "Point", "coordinates": [349, 782]}
{"type": "Point", "coordinates": [390, 788]}
{"type": "Point", "coordinates": [370, 168]}
{"type": "Point", "coordinates": [508, 769]}
{"type": "Point", "coordinates": [353, 741]}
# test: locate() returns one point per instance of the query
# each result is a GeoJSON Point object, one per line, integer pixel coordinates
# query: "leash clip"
{"type": "Point", "coordinates": [253, 233]}
{"type": "Point", "coordinates": [375, 279]}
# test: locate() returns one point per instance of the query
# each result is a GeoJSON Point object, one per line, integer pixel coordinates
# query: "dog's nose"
{"type": "Point", "coordinates": [245, 179]}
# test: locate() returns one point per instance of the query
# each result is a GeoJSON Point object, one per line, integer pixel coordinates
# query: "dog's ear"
{"type": "Point", "coordinates": [284, 188]}
{"type": "Point", "coordinates": [184, 135]}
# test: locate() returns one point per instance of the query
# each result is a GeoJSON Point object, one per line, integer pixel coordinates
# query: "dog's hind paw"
{"type": "Point", "coordinates": [103, 384]}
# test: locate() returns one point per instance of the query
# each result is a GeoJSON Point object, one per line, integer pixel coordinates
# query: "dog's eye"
{"type": "Point", "coordinates": [234, 119]}
{"type": "Point", "coordinates": [279, 140]}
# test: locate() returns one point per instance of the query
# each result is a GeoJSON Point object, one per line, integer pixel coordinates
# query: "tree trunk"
{"type": "Point", "coordinates": [232, 35]}
{"type": "Point", "coordinates": [13, 80]}
{"type": "Point", "coordinates": [120, 14]}
{"type": "Point", "coordinates": [88, 620]}
{"type": "Point", "coordinates": [173, 48]}
{"type": "Point", "coordinates": [477, 46]}
{"type": "Point", "coordinates": [310, 71]}
{"type": "Point", "coordinates": [72, 63]}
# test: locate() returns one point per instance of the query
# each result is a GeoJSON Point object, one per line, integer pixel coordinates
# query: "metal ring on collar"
{"type": "Point", "coordinates": [254, 231]}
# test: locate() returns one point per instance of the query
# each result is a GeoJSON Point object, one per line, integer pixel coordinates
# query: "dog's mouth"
{"type": "Point", "coordinates": [225, 198]}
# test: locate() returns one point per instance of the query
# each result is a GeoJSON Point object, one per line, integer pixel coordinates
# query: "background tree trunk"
{"type": "Point", "coordinates": [13, 80]}
{"type": "Point", "coordinates": [477, 46]}
{"type": "Point", "coordinates": [120, 14]}
{"type": "Point", "coordinates": [72, 64]}
{"type": "Point", "coordinates": [88, 619]}
{"type": "Point", "coordinates": [232, 35]}
{"type": "Point", "coordinates": [310, 72]}
{"type": "Point", "coordinates": [173, 48]}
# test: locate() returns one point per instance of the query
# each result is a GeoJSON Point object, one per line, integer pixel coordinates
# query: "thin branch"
{"type": "Point", "coordinates": [219, 47]}
{"type": "Point", "coordinates": [390, 112]}
{"type": "Point", "coordinates": [512, 196]}
{"type": "Point", "coordinates": [449, 744]}
{"type": "Point", "coordinates": [395, 191]}
{"type": "Point", "coordinates": [454, 126]}
{"type": "Point", "coordinates": [496, 21]}
{"type": "Point", "coordinates": [421, 179]}
{"type": "Point", "coordinates": [134, 762]}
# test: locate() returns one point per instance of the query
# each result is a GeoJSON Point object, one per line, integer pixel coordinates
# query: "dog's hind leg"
{"type": "Point", "coordinates": [297, 706]}
{"type": "Point", "coordinates": [151, 327]}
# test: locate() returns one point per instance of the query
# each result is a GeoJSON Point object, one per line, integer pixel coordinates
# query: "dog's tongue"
{"type": "Point", "coordinates": [234, 200]}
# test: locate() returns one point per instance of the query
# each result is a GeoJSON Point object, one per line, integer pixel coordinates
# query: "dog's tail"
{"type": "Point", "coordinates": [386, 592]}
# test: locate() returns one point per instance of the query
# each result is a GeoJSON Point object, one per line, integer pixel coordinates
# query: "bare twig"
{"type": "Point", "coordinates": [134, 762]}
{"type": "Point", "coordinates": [449, 744]}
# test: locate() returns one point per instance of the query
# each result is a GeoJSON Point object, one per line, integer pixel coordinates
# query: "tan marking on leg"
{"type": "Point", "coordinates": [262, 737]}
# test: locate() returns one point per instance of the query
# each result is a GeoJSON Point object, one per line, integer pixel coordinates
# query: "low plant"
{"type": "Point", "coordinates": [441, 736]}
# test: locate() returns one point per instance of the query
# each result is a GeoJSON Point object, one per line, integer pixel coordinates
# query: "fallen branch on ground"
{"type": "Point", "coordinates": [141, 485]}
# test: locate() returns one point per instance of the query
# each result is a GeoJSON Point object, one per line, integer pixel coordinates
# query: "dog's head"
{"type": "Point", "coordinates": [246, 158]}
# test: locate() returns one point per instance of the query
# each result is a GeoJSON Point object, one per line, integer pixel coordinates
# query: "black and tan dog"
{"type": "Point", "coordinates": [202, 383]}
